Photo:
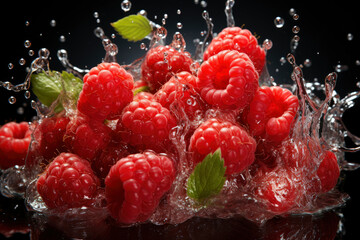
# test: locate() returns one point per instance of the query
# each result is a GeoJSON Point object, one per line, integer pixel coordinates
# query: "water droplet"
{"type": "Point", "coordinates": [22, 61]}
{"type": "Point", "coordinates": [126, 5]}
{"type": "Point", "coordinates": [296, 16]}
{"type": "Point", "coordinates": [196, 1]}
{"type": "Point", "coordinates": [350, 36]}
{"type": "Point", "coordinates": [341, 68]}
{"type": "Point", "coordinates": [27, 43]}
{"type": "Point", "coordinates": [296, 29]}
{"type": "Point", "coordinates": [203, 4]}
{"type": "Point", "coordinates": [142, 13]}
{"type": "Point", "coordinates": [52, 23]}
{"type": "Point", "coordinates": [357, 62]}
{"type": "Point", "coordinates": [279, 22]}
{"type": "Point", "coordinates": [96, 14]}
{"type": "Point", "coordinates": [166, 16]}
{"type": "Point", "coordinates": [179, 25]}
{"type": "Point", "coordinates": [163, 21]}
{"type": "Point", "coordinates": [282, 61]}
{"type": "Point", "coordinates": [178, 42]}
{"type": "Point", "coordinates": [62, 38]}
{"type": "Point", "coordinates": [161, 32]}
{"type": "Point", "coordinates": [99, 32]}
{"type": "Point", "coordinates": [178, 11]}
{"type": "Point", "coordinates": [44, 53]}
{"type": "Point", "coordinates": [296, 38]}
{"type": "Point", "coordinates": [292, 11]}
{"type": "Point", "coordinates": [27, 23]}
{"type": "Point", "coordinates": [307, 63]}
{"type": "Point", "coordinates": [27, 94]}
{"type": "Point", "coordinates": [12, 100]}
{"type": "Point", "coordinates": [31, 53]}
{"type": "Point", "coordinates": [20, 111]}
{"type": "Point", "coordinates": [267, 44]}
{"type": "Point", "coordinates": [10, 66]}
{"type": "Point", "coordinates": [113, 35]}
{"type": "Point", "coordinates": [142, 46]}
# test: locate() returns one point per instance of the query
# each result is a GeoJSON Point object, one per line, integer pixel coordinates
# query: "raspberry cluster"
{"type": "Point", "coordinates": [125, 143]}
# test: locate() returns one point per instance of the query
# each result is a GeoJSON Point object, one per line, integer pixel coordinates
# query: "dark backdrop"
{"type": "Point", "coordinates": [323, 40]}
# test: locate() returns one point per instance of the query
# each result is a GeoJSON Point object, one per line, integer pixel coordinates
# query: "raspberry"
{"type": "Point", "coordinates": [86, 137]}
{"type": "Point", "coordinates": [68, 182]}
{"type": "Point", "coordinates": [237, 146]}
{"type": "Point", "coordinates": [160, 62]}
{"type": "Point", "coordinates": [328, 171]}
{"type": "Point", "coordinates": [180, 90]}
{"type": "Point", "coordinates": [271, 113]}
{"type": "Point", "coordinates": [228, 80]}
{"type": "Point", "coordinates": [136, 184]}
{"type": "Point", "coordinates": [107, 90]}
{"type": "Point", "coordinates": [108, 157]}
{"type": "Point", "coordinates": [277, 189]}
{"type": "Point", "coordinates": [145, 124]}
{"type": "Point", "coordinates": [235, 38]}
{"type": "Point", "coordinates": [49, 135]}
{"type": "Point", "coordinates": [14, 143]}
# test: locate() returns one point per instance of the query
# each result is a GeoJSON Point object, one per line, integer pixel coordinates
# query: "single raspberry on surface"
{"type": "Point", "coordinates": [180, 90]}
{"type": "Point", "coordinates": [228, 80]}
{"type": "Point", "coordinates": [86, 137]}
{"type": "Point", "coordinates": [278, 189]}
{"type": "Point", "coordinates": [68, 182]}
{"type": "Point", "coordinates": [107, 90]}
{"type": "Point", "coordinates": [136, 184]}
{"type": "Point", "coordinates": [237, 146]}
{"type": "Point", "coordinates": [161, 63]}
{"type": "Point", "coordinates": [145, 124]}
{"type": "Point", "coordinates": [48, 137]}
{"type": "Point", "coordinates": [14, 143]}
{"type": "Point", "coordinates": [241, 40]}
{"type": "Point", "coordinates": [271, 113]}
{"type": "Point", "coordinates": [328, 171]}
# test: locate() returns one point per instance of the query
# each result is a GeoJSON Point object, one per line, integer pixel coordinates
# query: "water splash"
{"type": "Point", "coordinates": [63, 58]}
{"type": "Point", "coordinates": [200, 48]}
{"type": "Point", "coordinates": [110, 48]}
{"type": "Point", "coordinates": [229, 13]}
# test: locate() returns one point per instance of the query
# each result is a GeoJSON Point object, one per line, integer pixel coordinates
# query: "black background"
{"type": "Point", "coordinates": [323, 40]}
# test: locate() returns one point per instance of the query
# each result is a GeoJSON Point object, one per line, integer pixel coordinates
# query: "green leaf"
{"type": "Point", "coordinates": [141, 89]}
{"type": "Point", "coordinates": [47, 86]}
{"type": "Point", "coordinates": [208, 177]}
{"type": "Point", "coordinates": [133, 27]}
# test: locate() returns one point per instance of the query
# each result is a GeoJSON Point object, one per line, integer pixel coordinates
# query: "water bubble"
{"type": "Point", "coordinates": [27, 43]}
{"type": "Point", "coordinates": [296, 29]}
{"type": "Point", "coordinates": [296, 38]}
{"type": "Point", "coordinates": [96, 14]}
{"type": "Point", "coordinates": [126, 5]}
{"type": "Point", "coordinates": [22, 61]}
{"type": "Point", "coordinates": [44, 53]}
{"type": "Point", "coordinates": [12, 100]}
{"type": "Point", "coordinates": [179, 25]}
{"type": "Point", "coordinates": [279, 22]}
{"type": "Point", "coordinates": [178, 11]}
{"type": "Point", "coordinates": [296, 16]}
{"type": "Point", "coordinates": [163, 21]}
{"type": "Point", "coordinates": [307, 63]}
{"type": "Point", "coordinates": [27, 23]}
{"type": "Point", "coordinates": [10, 66]}
{"type": "Point", "coordinates": [62, 38]}
{"type": "Point", "coordinates": [350, 36]}
{"type": "Point", "coordinates": [99, 32]}
{"type": "Point", "coordinates": [142, 46]}
{"type": "Point", "coordinates": [52, 23]}
{"type": "Point", "coordinates": [203, 4]}
{"type": "Point", "coordinates": [31, 53]}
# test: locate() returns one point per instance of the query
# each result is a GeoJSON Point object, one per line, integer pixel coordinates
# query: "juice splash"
{"type": "Point", "coordinates": [318, 124]}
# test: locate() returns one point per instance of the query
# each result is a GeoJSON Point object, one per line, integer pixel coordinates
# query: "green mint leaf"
{"type": "Point", "coordinates": [133, 27]}
{"type": "Point", "coordinates": [47, 86]}
{"type": "Point", "coordinates": [141, 89]}
{"type": "Point", "coordinates": [208, 177]}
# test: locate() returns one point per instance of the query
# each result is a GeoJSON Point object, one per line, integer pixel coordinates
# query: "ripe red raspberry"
{"type": "Point", "coordinates": [271, 113]}
{"type": "Point", "coordinates": [145, 124]}
{"type": "Point", "coordinates": [108, 157]}
{"type": "Point", "coordinates": [107, 90]}
{"type": "Point", "coordinates": [14, 143]}
{"type": "Point", "coordinates": [228, 80]}
{"type": "Point", "coordinates": [68, 182]}
{"type": "Point", "coordinates": [86, 137]}
{"type": "Point", "coordinates": [48, 137]}
{"type": "Point", "coordinates": [135, 185]}
{"type": "Point", "coordinates": [279, 190]}
{"type": "Point", "coordinates": [160, 62]}
{"type": "Point", "coordinates": [180, 90]}
{"type": "Point", "coordinates": [235, 38]}
{"type": "Point", "coordinates": [237, 146]}
{"type": "Point", "coordinates": [328, 171]}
